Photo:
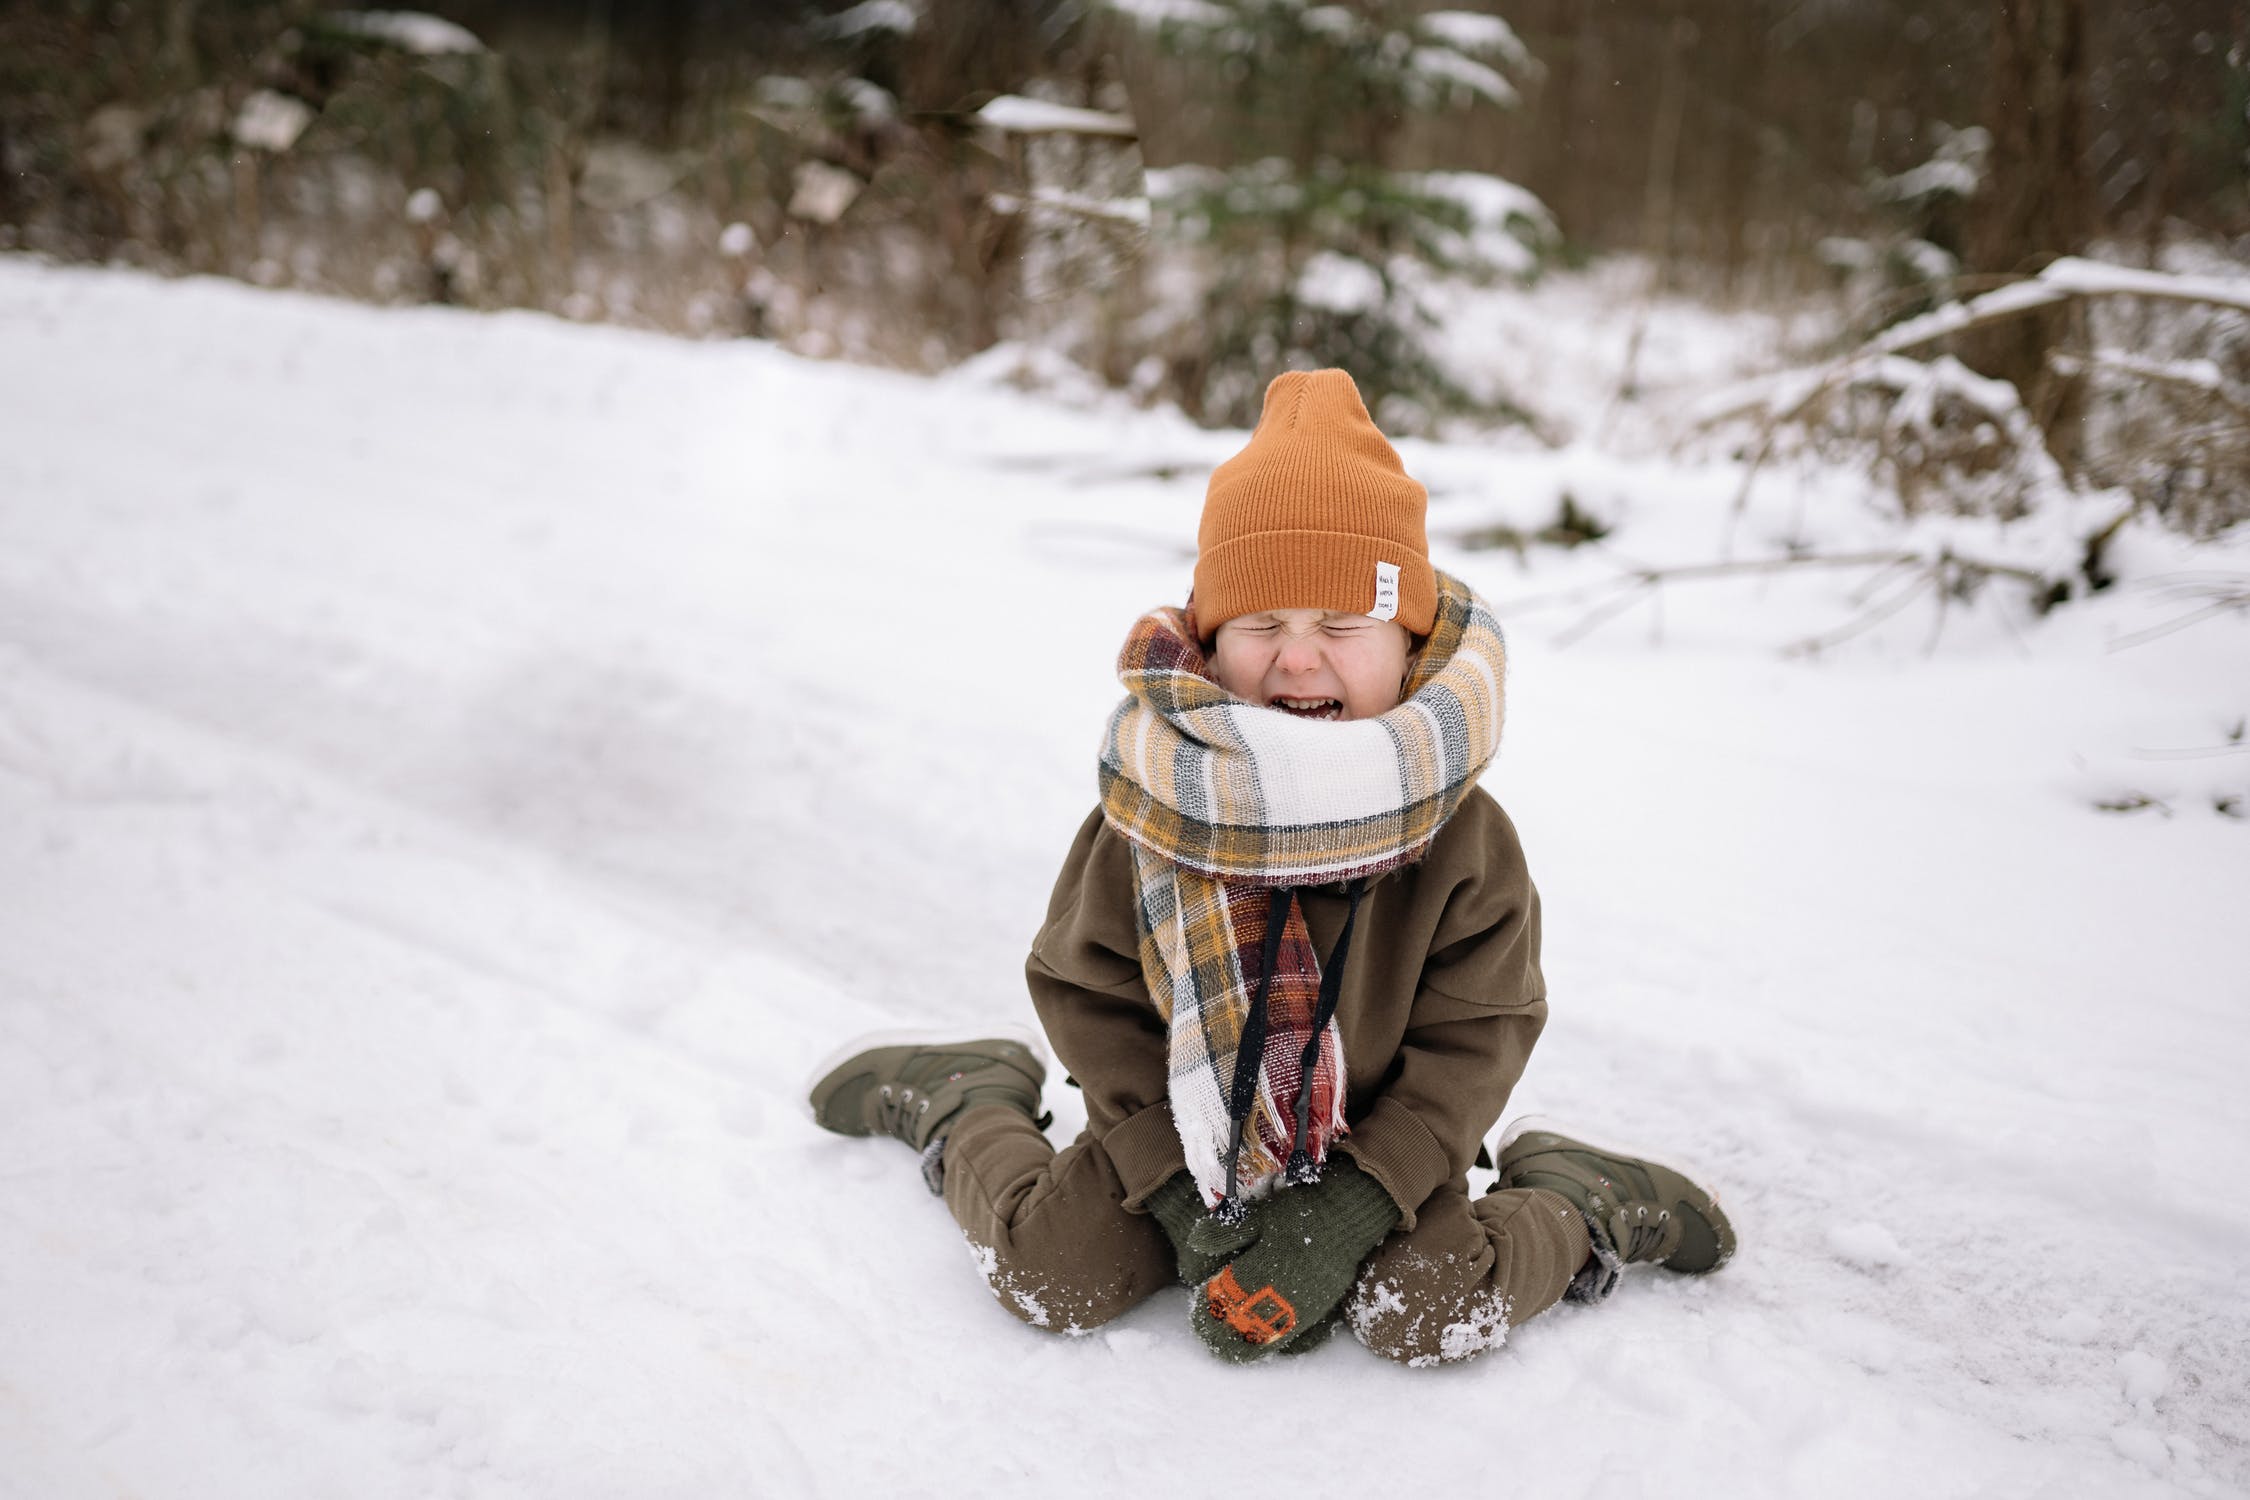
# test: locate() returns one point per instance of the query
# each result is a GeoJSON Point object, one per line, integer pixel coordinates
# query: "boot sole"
{"type": "Point", "coordinates": [1610, 1145]}
{"type": "Point", "coordinates": [917, 1036]}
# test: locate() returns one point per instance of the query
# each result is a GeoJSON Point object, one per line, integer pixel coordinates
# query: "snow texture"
{"type": "Point", "coordinates": [1022, 116]}
{"type": "Point", "coordinates": [895, 16]}
{"type": "Point", "coordinates": [1340, 283]}
{"type": "Point", "coordinates": [1870, 1247]}
{"type": "Point", "coordinates": [870, 103]}
{"type": "Point", "coordinates": [1475, 32]}
{"type": "Point", "coordinates": [407, 30]}
{"type": "Point", "coordinates": [1956, 169]}
{"type": "Point", "coordinates": [1190, 13]}
{"type": "Point", "coordinates": [269, 121]}
{"type": "Point", "coordinates": [1131, 212]}
{"type": "Point", "coordinates": [2062, 279]}
{"type": "Point", "coordinates": [1448, 69]}
{"type": "Point", "coordinates": [1505, 218]}
{"type": "Point", "coordinates": [461, 771]}
{"type": "Point", "coordinates": [823, 192]}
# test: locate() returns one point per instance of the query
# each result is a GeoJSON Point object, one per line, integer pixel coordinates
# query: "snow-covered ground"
{"type": "Point", "coordinates": [457, 774]}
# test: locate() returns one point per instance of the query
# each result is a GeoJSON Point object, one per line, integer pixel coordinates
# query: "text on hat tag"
{"type": "Point", "coordinates": [1386, 591]}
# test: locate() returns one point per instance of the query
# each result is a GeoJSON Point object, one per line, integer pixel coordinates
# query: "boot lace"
{"type": "Point", "coordinates": [898, 1106]}
{"type": "Point", "coordinates": [1643, 1232]}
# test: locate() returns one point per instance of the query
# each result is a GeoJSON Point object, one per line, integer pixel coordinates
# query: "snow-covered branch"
{"type": "Point", "coordinates": [1133, 212]}
{"type": "Point", "coordinates": [1017, 115]}
{"type": "Point", "coordinates": [1788, 395]}
{"type": "Point", "coordinates": [2065, 279]}
{"type": "Point", "coordinates": [2196, 377]}
{"type": "Point", "coordinates": [408, 30]}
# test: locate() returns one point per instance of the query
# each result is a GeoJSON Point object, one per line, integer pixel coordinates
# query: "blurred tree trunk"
{"type": "Point", "coordinates": [1584, 90]}
{"type": "Point", "coordinates": [1664, 150]}
{"type": "Point", "coordinates": [965, 51]}
{"type": "Point", "coordinates": [961, 54]}
{"type": "Point", "coordinates": [177, 56]}
{"type": "Point", "coordinates": [671, 26]}
{"type": "Point", "coordinates": [2037, 202]}
{"type": "Point", "coordinates": [1738, 148]}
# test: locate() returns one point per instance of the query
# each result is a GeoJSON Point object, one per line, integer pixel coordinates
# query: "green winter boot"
{"type": "Point", "coordinates": [914, 1091]}
{"type": "Point", "coordinates": [1634, 1210]}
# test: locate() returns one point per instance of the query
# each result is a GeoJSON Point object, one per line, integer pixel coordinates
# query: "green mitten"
{"type": "Point", "coordinates": [1310, 1242]}
{"type": "Point", "coordinates": [1189, 1226]}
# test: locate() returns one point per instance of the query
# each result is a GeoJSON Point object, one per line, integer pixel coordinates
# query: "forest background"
{"type": "Point", "coordinates": [867, 181]}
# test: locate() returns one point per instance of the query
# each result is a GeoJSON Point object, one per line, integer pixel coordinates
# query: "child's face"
{"type": "Point", "coordinates": [1312, 663]}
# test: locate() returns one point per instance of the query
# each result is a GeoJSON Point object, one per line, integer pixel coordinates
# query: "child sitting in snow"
{"type": "Point", "coordinates": [1293, 960]}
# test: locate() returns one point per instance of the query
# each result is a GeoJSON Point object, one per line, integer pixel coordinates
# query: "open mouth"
{"type": "Point", "coordinates": [1309, 708]}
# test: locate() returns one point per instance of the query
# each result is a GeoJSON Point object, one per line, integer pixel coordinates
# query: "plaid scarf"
{"type": "Point", "coordinates": [1228, 805]}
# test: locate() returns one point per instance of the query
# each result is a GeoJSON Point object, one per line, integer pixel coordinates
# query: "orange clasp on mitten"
{"type": "Point", "coordinates": [1260, 1317]}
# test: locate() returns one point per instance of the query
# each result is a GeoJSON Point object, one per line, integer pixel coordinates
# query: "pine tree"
{"type": "Point", "coordinates": [1308, 244]}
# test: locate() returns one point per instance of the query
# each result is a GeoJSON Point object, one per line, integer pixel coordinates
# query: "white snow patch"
{"type": "Point", "coordinates": [1955, 178]}
{"type": "Point", "coordinates": [2142, 1446]}
{"type": "Point", "coordinates": [1507, 221]}
{"type": "Point", "coordinates": [1133, 212]}
{"type": "Point", "coordinates": [896, 16]}
{"type": "Point", "coordinates": [1372, 1301]}
{"type": "Point", "coordinates": [1021, 116]}
{"type": "Point", "coordinates": [1135, 1343]}
{"type": "Point", "coordinates": [823, 192]}
{"type": "Point", "coordinates": [1446, 67]}
{"type": "Point", "coordinates": [1195, 13]}
{"type": "Point", "coordinates": [408, 30]}
{"type": "Point", "coordinates": [1485, 1327]}
{"type": "Point", "coordinates": [1340, 283]}
{"type": "Point", "coordinates": [2146, 1378]}
{"type": "Point", "coordinates": [1009, 1288]}
{"type": "Point", "coordinates": [1868, 1246]}
{"type": "Point", "coordinates": [869, 102]}
{"type": "Point", "coordinates": [1475, 31]}
{"type": "Point", "coordinates": [2077, 1326]}
{"type": "Point", "coordinates": [269, 121]}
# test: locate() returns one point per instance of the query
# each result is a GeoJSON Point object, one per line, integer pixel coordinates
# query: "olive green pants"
{"type": "Point", "coordinates": [1061, 1251]}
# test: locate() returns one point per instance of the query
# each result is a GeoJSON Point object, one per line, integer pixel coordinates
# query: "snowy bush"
{"type": "Point", "coordinates": [2164, 434]}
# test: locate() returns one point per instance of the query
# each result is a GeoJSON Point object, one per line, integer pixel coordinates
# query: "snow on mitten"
{"type": "Point", "coordinates": [1310, 1242]}
{"type": "Point", "coordinates": [1178, 1206]}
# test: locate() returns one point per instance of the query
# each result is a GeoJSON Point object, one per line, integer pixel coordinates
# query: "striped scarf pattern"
{"type": "Point", "coordinates": [1224, 800]}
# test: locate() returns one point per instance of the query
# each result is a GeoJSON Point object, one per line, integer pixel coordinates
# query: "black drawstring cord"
{"type": "Point", "coordinates": [1302, 1168]}
{"type": "Point", "coordinates": [1251, 1052]}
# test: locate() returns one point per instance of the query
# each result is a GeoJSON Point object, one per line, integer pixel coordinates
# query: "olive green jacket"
{"type": "Point", "coordinates": [1441, 1003]}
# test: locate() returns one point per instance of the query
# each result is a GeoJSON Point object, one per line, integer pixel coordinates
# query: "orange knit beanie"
{"type": "Point", "coordinates": [1316, 512]}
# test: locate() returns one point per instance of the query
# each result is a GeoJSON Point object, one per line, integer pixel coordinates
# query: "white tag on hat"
{"type": "Point", "coordinates": [1386, 591]}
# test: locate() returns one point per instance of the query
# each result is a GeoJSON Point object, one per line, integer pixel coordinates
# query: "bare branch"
{"type": "Point", "coordinates": [2222, 605]}
{"type": "Point", "coordinates": [1632, 593]}
{"type": "Point", "coordinates": [1945, 570]}
{"type": "Point", "coordinates": [1867, 619]}
{"type": "Point", "coordinates": [2197, 377]}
